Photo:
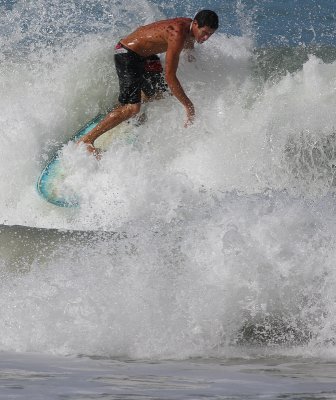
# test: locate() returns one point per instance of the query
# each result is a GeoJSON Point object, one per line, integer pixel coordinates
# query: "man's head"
{"type": "Point", "coordinates": [204, 25]}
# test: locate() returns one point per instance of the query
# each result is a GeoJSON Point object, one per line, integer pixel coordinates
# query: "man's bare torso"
{"type": "Point", "coordinates": [154, 38]}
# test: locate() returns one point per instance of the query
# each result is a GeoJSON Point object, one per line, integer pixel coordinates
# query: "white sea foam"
{"type": "Point", "coordinates": [228, 224]}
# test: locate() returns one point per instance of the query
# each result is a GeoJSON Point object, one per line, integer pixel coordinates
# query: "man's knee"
{"type": "Point", "coordinates": [133, 109]}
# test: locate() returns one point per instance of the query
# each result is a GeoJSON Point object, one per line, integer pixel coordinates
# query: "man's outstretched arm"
{"type": "Point", "coordinates": [175, 46]}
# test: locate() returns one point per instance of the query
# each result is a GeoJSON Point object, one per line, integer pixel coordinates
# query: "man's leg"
{"type": "Point", "coordinates": [114, 118]}
{"type": "Point", "coordinates": [153, 83]}
{"type": "Point", "coordinates": [129, 68]}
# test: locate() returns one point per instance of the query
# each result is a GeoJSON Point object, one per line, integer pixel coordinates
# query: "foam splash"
{"type": "Point", "coordinates": [228, 226]}
{"type": "Point", "coordinates": [246, 270]}
{"type": "Point", "coordinates": [242, 140]}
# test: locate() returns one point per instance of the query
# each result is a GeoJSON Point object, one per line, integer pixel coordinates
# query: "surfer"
{"type": "Point", "coordinates": [139, 68]}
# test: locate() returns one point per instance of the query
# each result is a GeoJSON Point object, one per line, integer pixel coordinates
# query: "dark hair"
{"type": "Point", "coordinates": [207, 18]}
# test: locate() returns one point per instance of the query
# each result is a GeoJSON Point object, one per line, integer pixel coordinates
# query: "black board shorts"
{"type": "Point", "coordinates": [137, 74]}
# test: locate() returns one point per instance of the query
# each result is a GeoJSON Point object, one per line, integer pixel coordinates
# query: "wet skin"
{"type": "Point", "coordinates": [167, 36]}
{"type": "Point", "coordinates": [157, 37]}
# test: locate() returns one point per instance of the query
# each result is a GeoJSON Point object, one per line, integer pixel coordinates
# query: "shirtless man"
{"type": "Point", "coordinates": [138, 50]}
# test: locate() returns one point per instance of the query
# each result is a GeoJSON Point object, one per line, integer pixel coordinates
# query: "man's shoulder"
{"type": "Point", "coordinates": [178, 27]}
{"type": "Point", "coordinates": [179, 22]}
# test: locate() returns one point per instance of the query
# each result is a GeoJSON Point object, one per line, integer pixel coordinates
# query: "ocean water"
{"type": "Point", "coordinates": [201, 262]}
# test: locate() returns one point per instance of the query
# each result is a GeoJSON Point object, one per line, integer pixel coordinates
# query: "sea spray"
{"type": "Point", "coordinates": [224, 231]}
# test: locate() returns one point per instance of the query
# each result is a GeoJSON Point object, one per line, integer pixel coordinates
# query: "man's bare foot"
{"type": "Point", "coordinates": [91, 149]}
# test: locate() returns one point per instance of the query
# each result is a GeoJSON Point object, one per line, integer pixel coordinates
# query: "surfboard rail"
{"type": "Point", "coordinates": [45, 182]}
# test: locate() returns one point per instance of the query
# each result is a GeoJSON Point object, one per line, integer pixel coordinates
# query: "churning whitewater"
{"type": "Point", "coordinates": [189, 242]}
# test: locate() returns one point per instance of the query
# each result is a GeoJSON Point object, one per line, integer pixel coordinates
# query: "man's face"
{"type": "Point", "coordinates": [202, 34]}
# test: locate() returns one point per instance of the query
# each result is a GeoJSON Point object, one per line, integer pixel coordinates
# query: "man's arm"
{"type": "Point", "coordinates": [175, 45]}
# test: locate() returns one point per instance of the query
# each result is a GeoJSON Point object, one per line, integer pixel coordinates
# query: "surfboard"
{"type": "Point", "coordinates": [51, 182]}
